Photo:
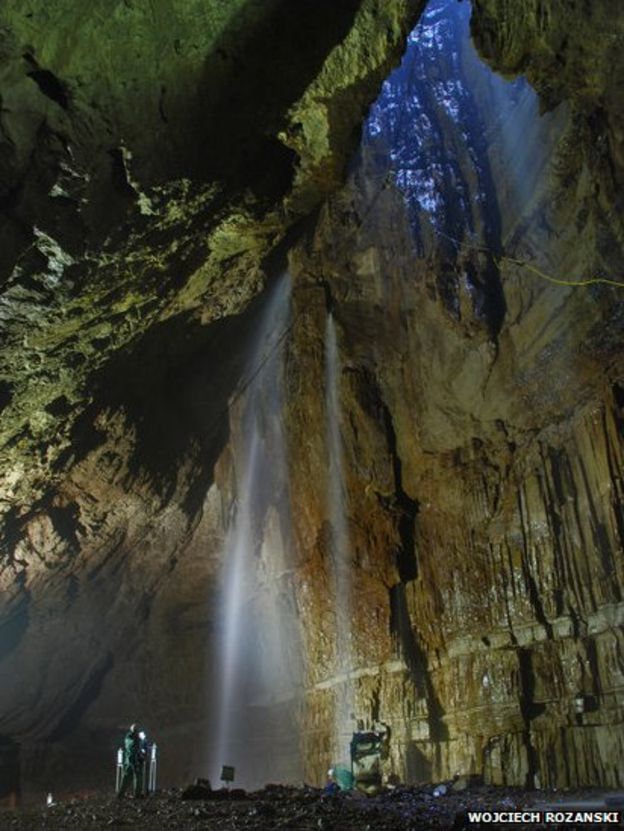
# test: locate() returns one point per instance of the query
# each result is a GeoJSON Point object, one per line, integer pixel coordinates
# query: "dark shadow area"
{"type": "Point", "coordinates": [50, 86]}
{"type": "Point", "coordinates": [530, 710]}
{"type": "Point", "coordinates": [88, 693]}
{"type": "Point", "coordinates": [6, 394]}
{"type": "Point", "coordinates": [119, 174]}
{"type": "Point", "coordinates": [370, 399]}
{"type": "Point", "coordinates": [406, 557]}
{"type": "Point", "coordinates": [66, 524]}
{"type": "Point", "coordinates": [12, 534]}
{"type": "Point", "coordinates": [618, 396]}
{"type": "Point", "coordinates": [10, 790]}
{"type": "Point", "coordinates": [14, 625]}
{"type": "Point", "coordinates": [175, 386]}
{"type": "Point", "coordinates": [417, 767]}
{"type": "Point", "coordinates": [600, 537]}
{"type": "Point", "coordinates": [415, 658]}
{"type": "Point", "coordinates": [59, 406]}
{"type": "Point", "coordinates": [261, 71]}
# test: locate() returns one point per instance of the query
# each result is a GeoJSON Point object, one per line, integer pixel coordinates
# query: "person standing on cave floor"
{"type": "Point", "coordinates": [132, 763]}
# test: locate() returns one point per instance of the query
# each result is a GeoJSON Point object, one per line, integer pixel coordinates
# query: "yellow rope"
{"type": "Point", "coordinates": [498, 260]}
{"type": "Point", "coordinates": [590, 281]}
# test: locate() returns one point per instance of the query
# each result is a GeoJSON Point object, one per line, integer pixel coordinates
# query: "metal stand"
{"type": "Point", "coordinates": [151, 781]}
{"type": "Point", "coordinates": [119, 770]}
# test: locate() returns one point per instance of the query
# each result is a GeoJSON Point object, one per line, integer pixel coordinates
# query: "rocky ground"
{"type": "Point", "coordinates": [305, 809]}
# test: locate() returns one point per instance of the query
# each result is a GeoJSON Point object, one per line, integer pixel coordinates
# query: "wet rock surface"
{"type": "Point", "coordinates": [299, 809]}
{"type": "Point", "coordinates": [483, 434]}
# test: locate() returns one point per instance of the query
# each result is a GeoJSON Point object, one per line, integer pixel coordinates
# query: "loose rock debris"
{"type": "Point", "coordinates": [285, 808]}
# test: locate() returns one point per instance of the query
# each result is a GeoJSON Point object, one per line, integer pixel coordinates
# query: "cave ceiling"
{"type": "Point", "coordinates": [150, 160]}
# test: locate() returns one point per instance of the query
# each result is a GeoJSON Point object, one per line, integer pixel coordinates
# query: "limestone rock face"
{"type": "Point", "coordinates": [151, 166]}
{"type": "Point", "coordinates": [482, 429]}
{"type": "Point", "coordinates": [570, 52]}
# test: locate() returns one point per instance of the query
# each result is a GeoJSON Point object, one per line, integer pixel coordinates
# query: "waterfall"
{"type": "Point", "coordinates": [339, 546]}
{"type": "Point", "coordinates": [258, 663]}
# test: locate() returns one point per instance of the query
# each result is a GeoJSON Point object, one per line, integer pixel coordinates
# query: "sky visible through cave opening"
{"type": "Point", "coordinates": [437, 119]}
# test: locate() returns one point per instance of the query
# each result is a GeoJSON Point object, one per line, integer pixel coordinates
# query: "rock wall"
{"type": "Point", "coordinates": [486, 527]}
{"type": "Point", "coordinates": [569, 52]}
{"type": "Point", "coordinates": [483, 469]}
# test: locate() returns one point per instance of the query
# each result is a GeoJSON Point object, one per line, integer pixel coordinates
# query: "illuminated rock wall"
{"type": "Point", "coordinates": [483, 444]}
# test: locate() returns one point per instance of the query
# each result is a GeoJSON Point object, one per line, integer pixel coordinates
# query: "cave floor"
{"type": "Point", "coordinates": [303, 809]}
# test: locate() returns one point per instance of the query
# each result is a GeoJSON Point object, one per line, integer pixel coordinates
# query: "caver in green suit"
{"type": "Point", "coordinates": [132, 763]}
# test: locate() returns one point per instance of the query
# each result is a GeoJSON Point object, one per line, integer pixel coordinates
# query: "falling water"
{"type": "Point", "coordinates": [258, 662]}
{"type": "Point", "coordinates": [339, 545]}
